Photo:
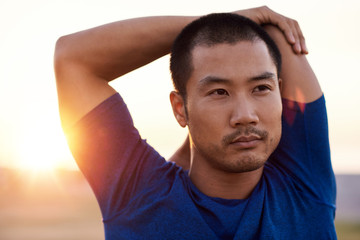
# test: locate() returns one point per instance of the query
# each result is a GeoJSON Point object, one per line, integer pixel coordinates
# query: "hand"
{"type": "Point", "coordinates": [290, 28]}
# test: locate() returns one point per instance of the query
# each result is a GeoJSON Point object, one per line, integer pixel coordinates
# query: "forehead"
{"type": "Point", "coordinates": [241, 60]}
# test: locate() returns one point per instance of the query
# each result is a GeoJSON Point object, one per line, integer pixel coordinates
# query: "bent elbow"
{"type": "Point", "coordinates": [60, 53]}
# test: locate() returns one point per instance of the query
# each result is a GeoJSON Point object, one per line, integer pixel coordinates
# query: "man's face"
{"type": "Point", "coordinates": [234, 106]}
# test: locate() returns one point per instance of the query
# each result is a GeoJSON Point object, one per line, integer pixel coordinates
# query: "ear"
{"type": "Point", "coordinates": [178, 106]}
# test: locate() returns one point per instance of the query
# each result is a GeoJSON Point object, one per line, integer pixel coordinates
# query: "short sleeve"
{"type": "Point", "coordinates": [111, 154]}
{"type": "Point", "coordinates": [304, 151]}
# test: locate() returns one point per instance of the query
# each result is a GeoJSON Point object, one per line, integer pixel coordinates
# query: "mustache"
{"type": "Point", "coordinates": [244, 132]}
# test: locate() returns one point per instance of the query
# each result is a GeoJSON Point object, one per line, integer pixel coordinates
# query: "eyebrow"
{"type": "Point", "coordinates": [208, 80]}
{"type": "Point", "coordinates": [264, 76]}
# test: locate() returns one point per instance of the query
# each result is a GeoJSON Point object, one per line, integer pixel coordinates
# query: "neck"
{"type": "Point", "coordinates": [217, 183]}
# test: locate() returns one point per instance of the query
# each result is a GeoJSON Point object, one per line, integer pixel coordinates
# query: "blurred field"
{"type": "Point", "coordinates": [48, 206]}
{"type": "Point", "coordinates": [54, 206]}
{"type": "Point", "coordinates": [348, 230]}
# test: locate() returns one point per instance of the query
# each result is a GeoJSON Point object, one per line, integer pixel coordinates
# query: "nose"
{"type": "Point", "coordinates": [243, 114]}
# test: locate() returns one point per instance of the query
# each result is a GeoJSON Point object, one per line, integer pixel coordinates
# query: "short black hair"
{"type": "Point", "coordinates": [210, 30]}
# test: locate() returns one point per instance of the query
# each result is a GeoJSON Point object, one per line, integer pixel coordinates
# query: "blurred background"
{"type": "Point", "coordinates": [42, 193]}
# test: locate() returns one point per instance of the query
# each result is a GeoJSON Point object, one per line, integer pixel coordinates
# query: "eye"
{"type": "Point", "coordinates": [219, 92]}
{"type": "Point", "coordinates": [262, 88]}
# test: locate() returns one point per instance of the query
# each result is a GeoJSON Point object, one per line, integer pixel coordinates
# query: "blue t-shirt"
{"type": "Point", "coordinates": [142, 196]}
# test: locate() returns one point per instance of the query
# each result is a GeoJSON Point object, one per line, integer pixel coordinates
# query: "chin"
{"type": "Point", "coordinates": [245, 164]}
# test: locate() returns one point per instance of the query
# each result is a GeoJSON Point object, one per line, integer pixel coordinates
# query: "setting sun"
{"type": "Point", "coordinates": [42, 147]}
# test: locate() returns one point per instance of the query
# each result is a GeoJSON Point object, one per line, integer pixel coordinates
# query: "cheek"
{"type": "Point", "coordinates": [271, 116]}
{"type": "Point", "coordinates": [205, 123]}
{"type": "Point", "coordinates": [274, 124]}
{"type": "Point", "coordinates": [271, 119]}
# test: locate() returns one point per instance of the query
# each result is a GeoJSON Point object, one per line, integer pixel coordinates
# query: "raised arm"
{"type": "Point", "coordinates": [299, 82]}
{"type": "Point", "coordinates": [86, 61]}
{"type": "Point", "coordinates": [304, 150]}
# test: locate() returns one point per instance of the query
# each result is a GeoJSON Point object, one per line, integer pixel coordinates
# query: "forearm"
{"type": "Point", "coordinates": [115, 49]}
{"type": "Point", "coordinates": [86, 61]}
{"type": "Point", "coordinates": [299, 82]}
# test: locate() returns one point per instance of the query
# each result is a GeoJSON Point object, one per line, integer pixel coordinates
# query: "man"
{"type": "Point", "coordinates": [226, 73]}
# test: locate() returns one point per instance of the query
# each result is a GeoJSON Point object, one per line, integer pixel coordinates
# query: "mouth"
{"type": "Point", "coordinates": [246, 142]}
{"type": "Point", "coordinates": [245, 138]}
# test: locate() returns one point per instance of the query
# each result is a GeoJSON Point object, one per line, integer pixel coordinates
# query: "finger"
{"type": "Point", "coordinates": [285, 26]}
{"type": "Point", "coordinates": [288, 26]}
{"type": "Point", "coordinates": [301, 37]}
{"type": "Point", "coordinates": [296, 32]}
{"type": "Point", "coordinates": [289, 36]}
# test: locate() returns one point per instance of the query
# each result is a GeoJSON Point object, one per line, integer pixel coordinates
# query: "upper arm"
{"type": "Point", "coordinates": [304, 151]}
{"type": "Point", "coordinates": [79, 90]}
{"type": "Point", "coordinates": [109, 151]}
{"type": "Point", "coordinates": [299, 81]}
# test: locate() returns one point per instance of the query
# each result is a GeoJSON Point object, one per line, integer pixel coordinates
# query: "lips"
{"type": "Point", "coordinates": [246, 138]}
{"type": "Point", "coordinates": [245, 142]}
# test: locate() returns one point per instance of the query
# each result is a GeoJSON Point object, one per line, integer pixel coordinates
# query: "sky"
{"type": "Point", "coordinates": [30, 132]}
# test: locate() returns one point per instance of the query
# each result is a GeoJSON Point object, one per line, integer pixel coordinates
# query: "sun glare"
{"type": "Point", "coordinates": [34, 156]}
{"type": "Point", "coordinates": [42, 148]}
